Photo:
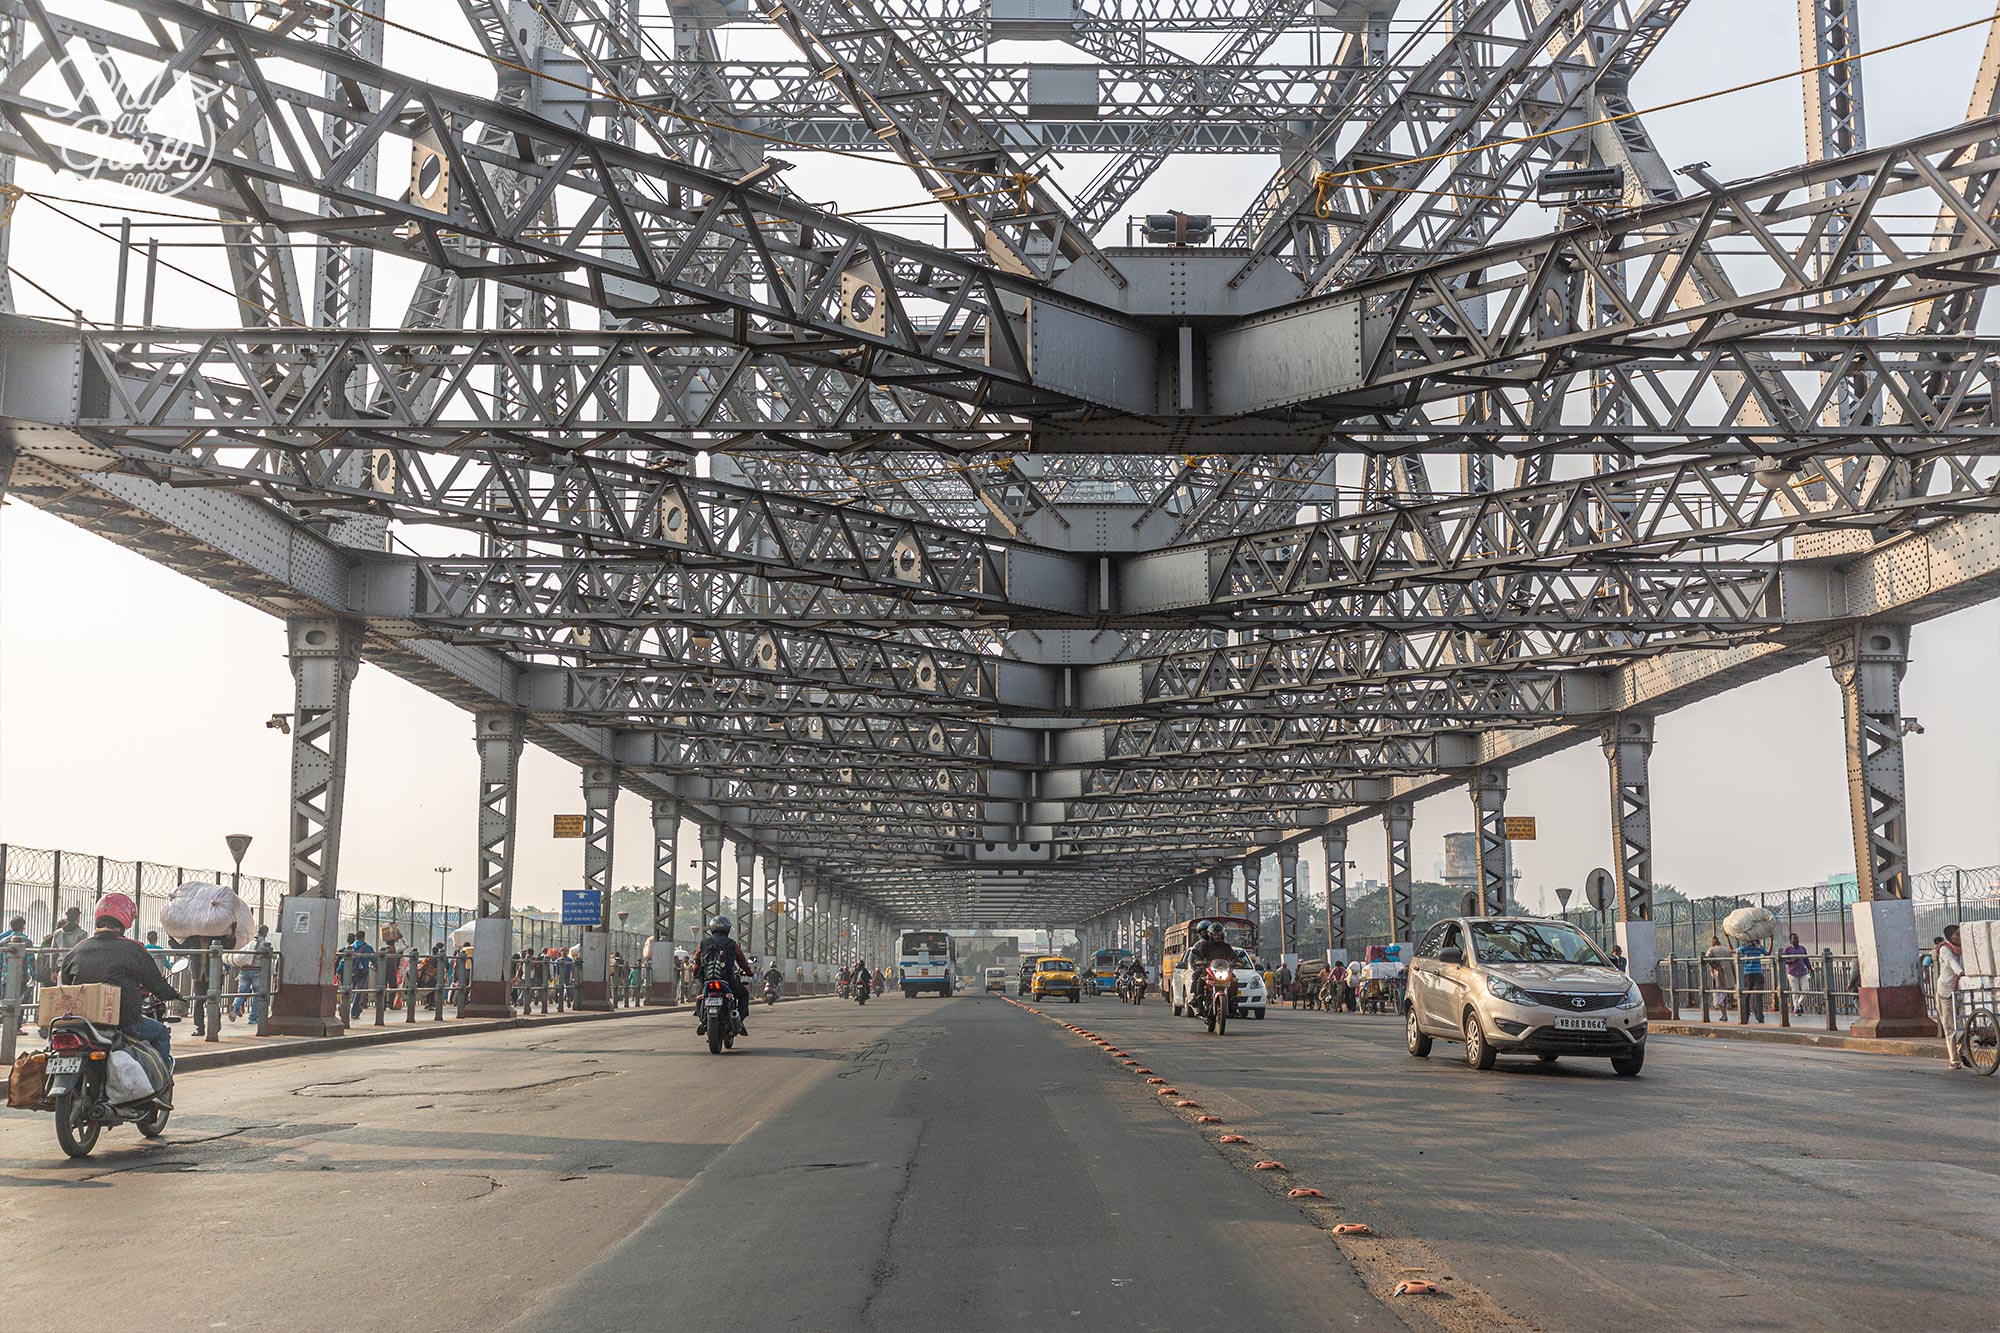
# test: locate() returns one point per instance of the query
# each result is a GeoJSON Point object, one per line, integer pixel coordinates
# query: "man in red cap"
{"type": "Point", "coordinates": [108, 958]}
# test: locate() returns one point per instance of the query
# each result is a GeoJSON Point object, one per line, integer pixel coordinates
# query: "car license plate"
{"type": "Point", "coordinates": [1581, 1024]}
{"type": "Point", "coordinates": [65, 1064]}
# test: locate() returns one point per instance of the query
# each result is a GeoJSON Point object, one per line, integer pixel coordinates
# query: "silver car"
{"type": "Point", "coordinates": [1506, 985]}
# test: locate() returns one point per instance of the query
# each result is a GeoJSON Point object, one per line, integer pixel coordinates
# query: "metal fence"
{"type": "Point", "coordinates": [1821, 915]}
{"type": "Point", "coordinates": [39, 885]}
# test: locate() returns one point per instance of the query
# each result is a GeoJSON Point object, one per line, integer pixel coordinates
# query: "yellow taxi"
{"type": "Point", "coordinates": [1055, 976]}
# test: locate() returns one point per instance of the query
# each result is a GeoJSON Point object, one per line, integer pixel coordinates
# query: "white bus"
{"type": "Point", "coordinates": [925, 962]}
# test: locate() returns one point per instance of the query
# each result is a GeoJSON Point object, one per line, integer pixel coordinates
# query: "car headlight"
{"type": "Point", "coordinates": [1632, 998]}
{"type": "Point", "coordinates": [1508, 991]}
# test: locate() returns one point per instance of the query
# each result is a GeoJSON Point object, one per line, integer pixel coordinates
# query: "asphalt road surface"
{"type": "Point", "coordinates": [968, 1164]}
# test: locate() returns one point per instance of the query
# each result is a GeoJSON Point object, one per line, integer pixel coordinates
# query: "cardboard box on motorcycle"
{"type": "Point", "coordinates": [95, 1002]}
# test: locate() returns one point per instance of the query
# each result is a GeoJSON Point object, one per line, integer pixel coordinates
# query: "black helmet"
{"type": "Point", "coordinates": [719, 926]}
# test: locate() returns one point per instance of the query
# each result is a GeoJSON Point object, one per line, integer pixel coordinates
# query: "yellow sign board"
{"type": "Point", "coordinates": [569, 826]}
{"type": "Point", "coordinates": [1236, 909]}
{"type": "Point", "coordinates": [1520, 828]}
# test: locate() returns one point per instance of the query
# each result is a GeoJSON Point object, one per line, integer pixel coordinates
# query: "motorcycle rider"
{"type": "Point", "coordinates": [863, 978]}
{"type": "Point", "coordinates": [108, 958]}
{"type": "Point", "coordinates": [774, 977]}
{"type": "Point", "coordinates": [722, 958]}
{"type": "Point", "coordinates": [1211, 947]}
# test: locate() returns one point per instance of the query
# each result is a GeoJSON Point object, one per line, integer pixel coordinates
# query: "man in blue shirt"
{"type": "Point", "coordinates": [1751, 955]}
{"type": "Point", "coordinates": [363, 956]}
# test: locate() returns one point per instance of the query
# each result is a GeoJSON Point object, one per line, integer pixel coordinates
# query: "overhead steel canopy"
{"type": "Point", "coordinates": [989, 564]}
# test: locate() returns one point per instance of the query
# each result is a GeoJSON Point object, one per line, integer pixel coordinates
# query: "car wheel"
{"type": "Point", "coordinates": [1413, 1034]}
{"type": "Point", "coordinates": [1260, 1015]}
{"type": "Point", "coordinates": [1479, 1052]}
{"type": "Point", "coordinates": [1177, 1011]}
{"type": "Point", "coordinates": [1546, 1058]}
{"type": "Point", "coordinates": [1628, 1066]}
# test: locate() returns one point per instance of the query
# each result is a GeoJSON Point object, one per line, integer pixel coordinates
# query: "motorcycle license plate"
{"type": "Point", "coordinates": [713, 1006]}
{"type": "Point", "coordinates": [1581, 1024]}
{"type": "Point", "coordinates": [65, 1064]}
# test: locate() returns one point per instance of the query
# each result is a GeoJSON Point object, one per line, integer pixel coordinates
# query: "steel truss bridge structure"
{"type": "Point", "coordinates": [966, 562]}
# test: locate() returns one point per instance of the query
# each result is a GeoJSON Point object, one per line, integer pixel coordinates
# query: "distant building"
{"type": "Point", "coordinates": [1461, 858]}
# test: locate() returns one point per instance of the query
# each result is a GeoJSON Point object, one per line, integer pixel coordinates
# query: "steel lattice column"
{"type": "Point", "coordinates": [746, 894]}
{"type": "Point", "coordinates": [1869, 667]}
{"type": "Point", "coordinates": [711, 877]}
{"type": "Point", "coordinates": [1334, 842]}
{"type": "Point", "coordinates": [1628, 748]}
{"type": "Point", "coordinates": [498, 737]}
{"type": "Point", "coordinates": [774, 942]}
{"type": "Point", "coordinates": [1396, 823]}
{"type": "Point", "coordinates": [600, 827]}
{"type": "Point", "coordinates": [1253, 889]}
{"type": "Point", "coordinates": [1288, 905]}
{"type": "Point", "coordinates": [1495, 862]}
{"type": "Point", "coordinates": [325, 655]}
{"type": "Point", "coordinates": [661, 985]}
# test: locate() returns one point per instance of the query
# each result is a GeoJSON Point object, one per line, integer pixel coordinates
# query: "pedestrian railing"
{"type": "Point", "coordinates": [1719, 989]}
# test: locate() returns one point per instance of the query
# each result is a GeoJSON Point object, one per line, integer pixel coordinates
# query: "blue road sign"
{"type": "Point", "coordinates": [583, 907]}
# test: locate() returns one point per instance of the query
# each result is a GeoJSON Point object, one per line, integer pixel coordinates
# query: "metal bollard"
{"type": "Point", "coordinates": [1701, 979]}
{"type": "Point", "coordinates": [10, 1001]}
{"type": "Point", "coordinates": [213, 1007]}
{"type": "Point", "coordinates": [1826, 985]}
{"type": "Point", "coordinates": [410, 989]}
{"type": "Point", "coordinates": [1742, 1010]}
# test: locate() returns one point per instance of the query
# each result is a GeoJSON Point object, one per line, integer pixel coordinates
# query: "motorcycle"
{"type": "Point", "coordinates": [78, 1071]}
{"type": "Point", "coordinates": [1135, 989]}
{"type": "Point", "coordinates": [1218, 997]}
{"type": "Point", "coordinates": [719, 1019]}
{"type": "Point", "coordinates": [770, 993]}
{"type": "Point", "coordinates": [861, 993]}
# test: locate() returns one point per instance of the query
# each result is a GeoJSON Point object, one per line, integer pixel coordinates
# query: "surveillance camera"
{"type": "Point", "coordinates": [280, 723]}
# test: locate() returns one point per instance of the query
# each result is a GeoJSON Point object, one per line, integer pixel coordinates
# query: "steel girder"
{"type": "Point", "coordinates": [952, 690]}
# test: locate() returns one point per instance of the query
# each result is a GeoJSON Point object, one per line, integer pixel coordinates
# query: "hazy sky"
{"type": "Point", "coordinates": [132, 700]}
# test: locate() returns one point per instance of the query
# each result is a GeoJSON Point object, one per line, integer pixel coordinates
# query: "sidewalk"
{"type": "Point", "coordinates": [1809, 1031]}
{"type": "Point", "coordinates": [241, 1045]}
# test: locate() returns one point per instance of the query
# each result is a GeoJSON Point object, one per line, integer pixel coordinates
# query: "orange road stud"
{"type": "Point", "coordinates": [1416, 1286]}
{"type": "Point", "coordinates": [1354, 1229]}
{"type": "Point", "coordinates": [1234, 1138]}
{"type": "Point", "coordinates": [1270, 1166]}
{"type": "Point", "coordinates": [1141, 1071]}
{"type": "Point", "coordinates": [1170, 1092]}
{"type": "Point", "coordinates": [1208, 1120]}
{"type": "Point", "coordinates": [1304, 1194]}
{"type": "Point", "coordinates": [1184, 1102]}
{"type": "Point", "coordinates": [1132, 1063]}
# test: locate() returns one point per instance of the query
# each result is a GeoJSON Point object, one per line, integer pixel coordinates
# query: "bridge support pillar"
{"type": "Point", "coordinates": [1396, 823]}
{"type": "Point", "coordinates": [662, 985]}
{"type": "Point", "coordinates": [1253, 888]}
{"type": "Point", "coordinates": [1288, 905]}
{"type": "Point", "coordinates": [498, 738]}
{"type": "Point", "coordinates": [1869, 666]}
{"type": "Point", "coordinates": [1495, 858]}
{"type": "Point", "coordinates": [325, 655]}
{"type": "Point", "coordinates": [1334, 843]}
{"type": "Point", "coordinates": [746, 893]}
{"type": "Point", "coordinates": [1628, 749]}
{"type": "Point", "coordinates": [774, 940]}
{"type": "Point", "coordinates": [711, 878]}
{"type": "Point", "coordinates": [600, 826]}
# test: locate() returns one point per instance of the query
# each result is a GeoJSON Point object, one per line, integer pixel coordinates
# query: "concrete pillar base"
{"type": "Point", "coordinates": [593, 997]}
{"type": "Point", "coordinates": [305, 1011]}
{"type": "Point", "coordinates": [1892, 1011]}
{"type": "Point", "coordinates": [1642, 964]}
{"type": "Point", "coordinates": [488, 999]}
{"type": "Point", "coordinates": [593, 973]}
{"type": "Point", "coordinates": [660, 993]}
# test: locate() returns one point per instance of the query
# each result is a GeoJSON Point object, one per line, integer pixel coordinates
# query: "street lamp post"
{"type": "Point", "coordinates": [442, 871]}
{"type": "Point", "coordinates": [239, 846]}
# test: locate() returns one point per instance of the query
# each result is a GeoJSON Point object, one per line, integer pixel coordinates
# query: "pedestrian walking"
{"type": "Point", "coordinates": [361, 954]}
{"type": "Point", "coordinates": [17, 929]}
{"type": "Point", "coordinates": [62, 939]}
{"type": "Point", "coordinates": [1798, 972]}
{"type": "Point", "coordinates": [1721, 965]}
{"type": "Point", "coordinates": [1750, 956]}
{"type": "Point", "coordinates": [1946, 969]}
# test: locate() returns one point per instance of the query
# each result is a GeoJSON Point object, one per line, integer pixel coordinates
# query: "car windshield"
{"type": "Point", "coordinates": [1058, 965]}
{"type": "Point", "coordinates": [1530, 942]}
